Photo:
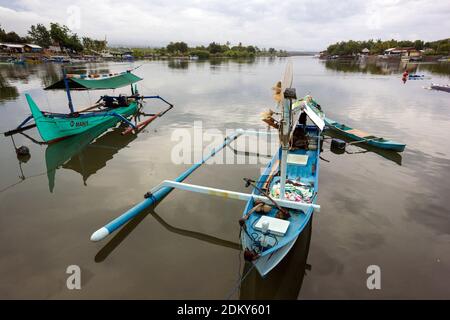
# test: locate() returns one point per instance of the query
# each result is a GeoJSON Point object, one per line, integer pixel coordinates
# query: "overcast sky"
{"type": "Point", "coordinates": [283, 24]}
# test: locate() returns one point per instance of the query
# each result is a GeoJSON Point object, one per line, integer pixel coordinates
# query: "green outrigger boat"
{"type": "Point", "coordinates": [53, 127]}
{"type": "Point", "coordinates": [356, 134]}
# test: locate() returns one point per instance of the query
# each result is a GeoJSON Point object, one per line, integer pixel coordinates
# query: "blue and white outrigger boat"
{"type": "Point", "coordinates": [283, 199]}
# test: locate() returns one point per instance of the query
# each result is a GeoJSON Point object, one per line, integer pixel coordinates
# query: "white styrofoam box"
{"type": "Point", "coordinates": [277, 226]}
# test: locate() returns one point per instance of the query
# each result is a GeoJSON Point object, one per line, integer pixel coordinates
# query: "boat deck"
{"type": "Point", "coordinates": [302, 168]}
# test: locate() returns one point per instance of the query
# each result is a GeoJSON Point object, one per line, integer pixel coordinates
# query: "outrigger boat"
{"type": "Point", "coordinates": [440, 87]}
{"type": "Point", "coordinates": [356, 134]}
{"type": "Point", "coordinates": [53, 127]}
{"type": "Point", "coordinates": [270, 223]}
{"type": "Point", "coordinates": [364, 137]}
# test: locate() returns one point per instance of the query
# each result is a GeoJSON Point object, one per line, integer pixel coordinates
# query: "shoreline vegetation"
{"type": "Point", "coordinates": [213, 50]}
{"type": "Point", "coordinates": [415, 50]}
{"type": "Point", "coordinates": [59, 39]}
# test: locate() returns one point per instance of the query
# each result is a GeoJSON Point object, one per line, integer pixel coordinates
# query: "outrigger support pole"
{"type": "Point", "coordinates": [236, 195]}
{"type": "Point", "coordinates": [153, 197]}
{"type": "Point", "coordinates": [157, 97]}
{"type": "Point", "coordinates": [21, 127]}
{"type": "Point", "coordinates": [66, 84]}
{"type": "Point", "coordinates": [122, 118]}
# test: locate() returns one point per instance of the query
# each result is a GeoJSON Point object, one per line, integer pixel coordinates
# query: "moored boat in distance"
{"type": "Point", "coordinates": [440, 87]}
{"type": "Point", "coordinates": [59, 59]}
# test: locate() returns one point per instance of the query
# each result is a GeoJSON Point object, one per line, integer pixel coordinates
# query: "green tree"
{"type": "Point", "coordinates": [10, 37]}
{"type": "Point", "coordinates": [418, 44]}
{"type": "Point", "coordinates": [40, 35]}
{"type": "Point", "coordinates": [443, 48]}
{"type": "Point", "coordinates": [177, 47]}
{"type": "Point", "coordinates": [59, 34]}
{"type": "Point", "coordinates": [214, 48]}
{"type": "Point", "coordinates": [64, 37]}
{"type": "Point", "coordinates": [96, 46]}
{"type": "Point", "coordinates": [251, 49]}
{"type": "Point", "coordinates": [73, 43]}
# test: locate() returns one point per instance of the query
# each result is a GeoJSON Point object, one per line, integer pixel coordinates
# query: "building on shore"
{"type": "Point", "coordinates": [11, 48]}
{"type": "Point", "coordinates": [20, 48]}
{"type": "Point", "coordinates": [404, 53]}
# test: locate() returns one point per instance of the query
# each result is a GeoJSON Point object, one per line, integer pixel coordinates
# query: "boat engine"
{"type": "Point", "coordinates": [338, 146]}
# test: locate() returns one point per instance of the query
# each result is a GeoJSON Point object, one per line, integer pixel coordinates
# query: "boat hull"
{"type": "Point", "coordinates": [440, 87]}
{"type": "Point", "coordinates": [379, 142]}
{"type": "Point", "coordinates": [307, 173]}
{"type": "Point", "coordinates": [55, 127]}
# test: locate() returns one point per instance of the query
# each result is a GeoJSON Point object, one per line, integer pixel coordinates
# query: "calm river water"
{"type": "Point", "coordinates": [378, 208]}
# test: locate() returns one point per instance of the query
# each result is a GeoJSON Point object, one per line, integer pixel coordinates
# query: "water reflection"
{"type": "Point", "coordinates": [414, 196]}
{"type": "Point", "coordinates": [178, 64]}
{"type": "Point", "coordinates": [130, 226]}
{"type": "Point", "coordinates": [81, 155]}
{"type": "Point", "coordinates": [437, 68]}
{"type": "Point", "coordinates": [380, 67]}
{"type": "Point", "coordinates": [7, 92]}
{"type": "Point", "coordinates": [284, 282]}
{"type": "Point", "coordinates": [364, 148]}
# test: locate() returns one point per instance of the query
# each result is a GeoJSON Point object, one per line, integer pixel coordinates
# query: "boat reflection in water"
{"type": "Point", "coordinates": [85, 153]}
{"type": "Point", "coordinates": [285, 280]}
{"type": "Point", "coordinates": [364, 148]}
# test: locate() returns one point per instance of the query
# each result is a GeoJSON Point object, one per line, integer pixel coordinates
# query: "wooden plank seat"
{"type": "Point", "coordinates": [358, 133]}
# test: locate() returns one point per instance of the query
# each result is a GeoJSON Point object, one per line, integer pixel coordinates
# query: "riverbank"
{"type": "Point", "coordinates": [393, 58]}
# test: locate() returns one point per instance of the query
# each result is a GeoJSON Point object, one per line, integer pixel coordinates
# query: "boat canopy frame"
{"type": "Point", "coordinates": [103, 83]}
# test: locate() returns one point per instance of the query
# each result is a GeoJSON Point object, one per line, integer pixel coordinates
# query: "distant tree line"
{"type": "Point", "coordinates": [214, 49]}
{"type": "Point", "coordinates": [59, 35]}
{"type": "Point", "coordinates": [352, 47]}
{"type": "Point", "coordinates": [62, 36]}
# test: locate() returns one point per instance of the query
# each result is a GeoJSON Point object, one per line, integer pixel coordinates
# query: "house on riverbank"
{"type": "Point", "coordinates": [404, 53]}
{"type": "Point", "coordinates": [20, 48]}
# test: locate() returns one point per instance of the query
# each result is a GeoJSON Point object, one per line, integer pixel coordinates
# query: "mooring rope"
{"type": "Point", "coordinates": [238, 284]}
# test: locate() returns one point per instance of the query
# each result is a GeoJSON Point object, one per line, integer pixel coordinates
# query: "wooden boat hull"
{"type": "Point", "coordinates": [445, 88]}
{"type": "Point", "coordinates": [54, 127]}
{"type": "Point", "coordinates": [285, 281]}
{"type": "Point", "coordinates": [307, 173]}
{"type": "Point", "coordinates": [358, 135]}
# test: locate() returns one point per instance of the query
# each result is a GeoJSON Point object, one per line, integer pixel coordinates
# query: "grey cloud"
{"type": "Point", "coordinates": [305, 24]}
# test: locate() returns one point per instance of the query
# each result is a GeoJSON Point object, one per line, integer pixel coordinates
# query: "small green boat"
{"type": "Point", "coordinates": [57, 126]}
{"type": "Point", "coordinates": [356, 134]}
{"type": "Point", "coordinates": [53, 127]}
{"type": "Point", "coordinates": [365, 137]}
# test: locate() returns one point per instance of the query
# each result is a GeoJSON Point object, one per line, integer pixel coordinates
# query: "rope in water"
{"type": "Point", "coordinates": [238, 284]}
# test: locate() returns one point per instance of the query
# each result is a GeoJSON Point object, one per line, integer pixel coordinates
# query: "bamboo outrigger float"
{"type": "Point", "coordinates": [298, 167]}
{"type": "Point", "coordinates": [53, 127]}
